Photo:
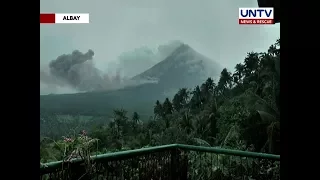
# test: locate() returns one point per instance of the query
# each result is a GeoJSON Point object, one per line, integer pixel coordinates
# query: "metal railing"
{"type": "Point", "coordinates": [175, 161]}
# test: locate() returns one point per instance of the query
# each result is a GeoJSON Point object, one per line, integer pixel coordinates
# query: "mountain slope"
{"type": "Point", "coordinates": [184, 67]}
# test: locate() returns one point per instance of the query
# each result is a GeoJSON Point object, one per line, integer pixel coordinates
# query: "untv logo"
{"type": "Point", "coordinates": [256, 16]}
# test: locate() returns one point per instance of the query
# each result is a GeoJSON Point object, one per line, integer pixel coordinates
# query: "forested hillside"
{"type": "Point", "coordinates": [239, 111]}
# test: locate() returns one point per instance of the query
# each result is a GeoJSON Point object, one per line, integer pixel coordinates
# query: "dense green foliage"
{"type": "Point", "coordinates": [240, 111]}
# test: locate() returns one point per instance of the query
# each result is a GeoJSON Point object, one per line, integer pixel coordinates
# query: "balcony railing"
{"type": "Point", "coordinates": [172, 162]}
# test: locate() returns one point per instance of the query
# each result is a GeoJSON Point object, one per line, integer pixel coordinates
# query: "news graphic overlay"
{"type": "Point", "coordinates": [68, 18]}
{"type": "Point", "coordinates": [256, 16]}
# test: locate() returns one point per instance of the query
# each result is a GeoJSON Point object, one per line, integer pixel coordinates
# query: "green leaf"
{"type": "Point", "coordinates": [266, 117]}
{"type": "Point", "coordinates": [201, 142]}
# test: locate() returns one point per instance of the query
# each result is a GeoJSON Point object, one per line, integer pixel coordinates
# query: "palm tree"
{"type": "Point", "coordinates": [120, 120]}
{"type": "Point", "coordinates": [267, 121]}
{"type": "Point", "coordinates": [158, 110]}
{"type": "Point", "coordinates": [186, 122]}
{"type": "Point", "coordinates": [135, 118]}
{"type": "Point", "coordinates": [180, 99]}
{"type": "Point", "coordinates": [251, 63]}
{"type": "Point", "coordinates": [238, 74]}
{"type": "Point", "coordinates": [225, 81]}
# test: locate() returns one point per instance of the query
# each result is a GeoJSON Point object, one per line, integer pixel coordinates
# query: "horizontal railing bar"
{"type": "Point", "coordinates": [47, 167]}
{"type": "Point", "coordinates": [229, 152]}
{"type": "Point", "coordinates": [109, 156]}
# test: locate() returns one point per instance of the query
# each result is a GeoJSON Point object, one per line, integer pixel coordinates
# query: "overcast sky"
{"type": "Point", "coordinates": [209, 26]}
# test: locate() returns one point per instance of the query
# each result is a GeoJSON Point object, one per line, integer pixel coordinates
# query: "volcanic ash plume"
{"type": "Point", "coordinates": [68, 67]}
{"type": "Point", "coordinates": [76, 71]}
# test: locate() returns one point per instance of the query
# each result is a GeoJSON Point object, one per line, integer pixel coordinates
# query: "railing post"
{"type": "Point", "coordinates": [184, 165]}
{"type": "Point", "coordinates": [174, 163]}
{"type": "Point", "coordinates": [76, 170]}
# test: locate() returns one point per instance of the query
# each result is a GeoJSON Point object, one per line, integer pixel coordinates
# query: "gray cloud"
{"type": "Point", "coordinates": [68, 66]}
{"type": "Point", "coordinates": [75, 71]}
{"type": "Point", "coordinates": [133, 62]}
